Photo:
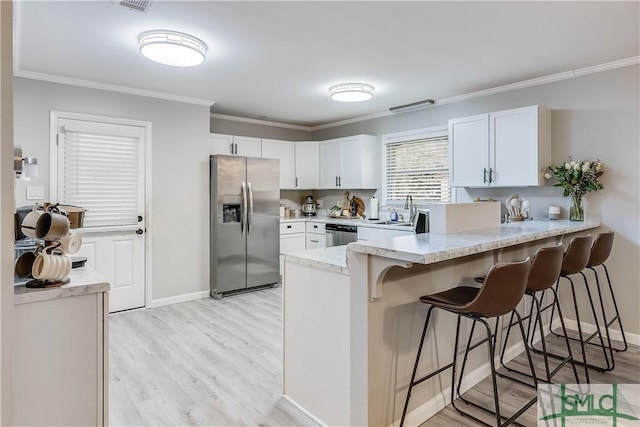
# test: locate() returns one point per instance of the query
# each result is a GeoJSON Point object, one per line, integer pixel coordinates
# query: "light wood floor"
{"type": "Point", "coordinates": [219, 363]}
{"type": "Point", "coordinates": [202, 362]}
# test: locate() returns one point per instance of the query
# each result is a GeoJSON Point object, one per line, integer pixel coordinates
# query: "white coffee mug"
{"type": "Point", "coordinates": [71, 243]}
{"type": "Point", "coordinates": [50, 266]}
{"type": "Point", "coordinates": [30, 222]}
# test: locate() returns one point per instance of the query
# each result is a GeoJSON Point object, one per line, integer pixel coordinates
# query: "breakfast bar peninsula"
{"type": "Point", "coordinates": [352, 320]}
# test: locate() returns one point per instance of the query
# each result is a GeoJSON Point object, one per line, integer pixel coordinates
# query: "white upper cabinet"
{"type": "Point", "coordinates": [221, 144]}
{"type": "Point", "coordinates": [351, 162]}
{"type": "Point", "coordinates": [285, 152]}
{"type": "Point", "coordinates": [330, 164]}
{"type": "Point", "coordinates": [509, 148]}
{"type": "Point", "coordinates": [307, 165]}
{"type": "Point", "coordinates": [234, 145]}
{"type": "Point", "coordinates": [247, 146]}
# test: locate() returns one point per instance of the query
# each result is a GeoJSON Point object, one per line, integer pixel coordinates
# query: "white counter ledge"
{"type": "Point", "coordinates": [431, 247]}
{"type": "Point", "coordinates": [83, 281]}
{"type": "Point", "coordinates": [331, 259]}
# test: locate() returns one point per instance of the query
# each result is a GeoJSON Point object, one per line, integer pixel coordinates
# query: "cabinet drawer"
{"type": "Point", "coordinates": [315, 227]}
{"type": "Point", "coordinates": [315, 241]}
{"type": "Point", "coordinates": [292, 227]}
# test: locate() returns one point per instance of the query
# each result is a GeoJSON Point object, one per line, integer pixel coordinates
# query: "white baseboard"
{"type": "Point", "coordinates": [590, 328]}
{"type": "Point", "coordinates": [180, 298]}
{"type": "Point", "coordinates": [434, 405]}
{"type": "Point", "coordinates": [303, 410]}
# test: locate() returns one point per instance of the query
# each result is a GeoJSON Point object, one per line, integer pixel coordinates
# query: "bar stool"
{"type": "Point", "coordinates": [545, 271]}
{"type": "Point", "coordinates": [500, 293]}
{"type": "Point", "coordinates": [600, 252]}
{"type": "Point", "coordinates": [575, 260]}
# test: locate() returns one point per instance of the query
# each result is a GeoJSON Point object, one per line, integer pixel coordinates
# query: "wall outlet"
{"type": "Point", "coordinates": [35, 193]}
{"type": "Point", "coordinates": [320, 203]}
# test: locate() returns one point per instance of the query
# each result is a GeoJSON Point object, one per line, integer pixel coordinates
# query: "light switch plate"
{"type": "Point", "coordinates": [35, 193]}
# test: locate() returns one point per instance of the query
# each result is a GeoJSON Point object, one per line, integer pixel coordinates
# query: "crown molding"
{"type": "Point", "coordinates": [111, 88]}
{"type": "Point", "coordinates": [260, 122]}
{"type": "Point", "coordinates": [353, 120]}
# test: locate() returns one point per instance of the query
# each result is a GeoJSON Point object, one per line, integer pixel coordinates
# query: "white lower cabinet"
{"type": "Point", "coordinates": [61, 361]}
{"type": "Point", "coordinates": [292, 242]}
{"type": "Point", "coordinates": [316, 237]}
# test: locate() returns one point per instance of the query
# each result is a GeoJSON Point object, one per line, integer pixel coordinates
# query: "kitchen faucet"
{"type": "Point", "coordinates": [408, 204]}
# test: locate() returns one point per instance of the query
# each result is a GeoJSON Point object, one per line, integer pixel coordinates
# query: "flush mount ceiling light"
{"type": "Point", "coordinates": [351, 92]}
{"type": "Point", "coordinates": [172, 48]}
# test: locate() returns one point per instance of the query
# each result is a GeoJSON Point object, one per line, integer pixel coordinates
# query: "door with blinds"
{"type": "Point", "coordinates": [100, 167]}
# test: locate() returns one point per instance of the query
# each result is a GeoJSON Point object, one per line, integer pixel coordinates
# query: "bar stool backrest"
{"type": "Point", "coordinates": [577, 255]}
{"type": "Point", "coordinates": [601, 249]}
{"type": "Point", "coordinates": [502, 289]}
{"type": "Point", "coordinates": [545, 268]}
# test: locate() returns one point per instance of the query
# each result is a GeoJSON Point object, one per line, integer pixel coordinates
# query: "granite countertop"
{"type": "Point", "coordinates": [83, 281]}
{"type": "Point", "coordinates": [432, 247]}
{"type": "Point", "coordinates": [357, 222]}
{"type": "Point", "coordinates": [331, 259]}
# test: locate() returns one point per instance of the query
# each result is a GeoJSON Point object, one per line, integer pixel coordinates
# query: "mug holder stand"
{"type": "Point", "coordinates": [41, 284]}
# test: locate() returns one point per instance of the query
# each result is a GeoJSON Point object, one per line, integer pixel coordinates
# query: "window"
{"type": "Point", "coordinates": [416, 163]}
{"type": "Point", "coordinates": [100, 167]}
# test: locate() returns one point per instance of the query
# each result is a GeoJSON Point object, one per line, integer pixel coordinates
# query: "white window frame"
{"type": "Point", "coordinates": [432, 132]}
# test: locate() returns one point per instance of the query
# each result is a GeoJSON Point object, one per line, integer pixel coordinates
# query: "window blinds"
{"type": "Point", "coordinates": [418, 167]}
{"type": "Point", "coordinates": [101, 174]}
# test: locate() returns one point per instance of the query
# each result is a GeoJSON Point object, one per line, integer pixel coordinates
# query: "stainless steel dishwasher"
{"type": "Point", "coordinates": [340, 234]}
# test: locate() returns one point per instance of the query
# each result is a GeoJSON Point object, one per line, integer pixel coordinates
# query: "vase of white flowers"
{"type": "Point", "coordinates": [577, 178]}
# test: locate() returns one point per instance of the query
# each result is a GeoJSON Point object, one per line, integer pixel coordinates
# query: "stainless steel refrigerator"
{"type": "Point", "coordinates": [245, 224]}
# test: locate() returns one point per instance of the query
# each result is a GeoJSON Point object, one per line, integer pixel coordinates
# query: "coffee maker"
{"type": "Point", "coordinates": [309, 206]}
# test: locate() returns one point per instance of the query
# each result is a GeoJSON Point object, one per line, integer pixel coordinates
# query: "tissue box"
{"type": "Point", "coordinates": [459, 217]}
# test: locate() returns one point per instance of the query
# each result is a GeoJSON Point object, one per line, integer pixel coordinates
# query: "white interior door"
{"type": "Point", "coordinates": [101, 167]}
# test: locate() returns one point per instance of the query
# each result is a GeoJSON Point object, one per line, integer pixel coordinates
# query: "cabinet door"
{"type": "Point", "coordinates": [246, 146]}
{"type": "Point", "coordinates": [469, 151]}
{"type": "Point", "coordinates": [292, 243]}
{"type": "Point", "coordinates": [514, 147]}
{"type": "Point", "coordinates": [307, 165]}
{"type": "Point", "coordinates": [330, 163]}
{"type": "Point", "coordinates": [283, 151]}
{"type": "Point", "coordinates": [315, 241]}
{"type": "Point", "coordinates": [220, 144]}
{"type": "Point", "coordinates": [360, 162]}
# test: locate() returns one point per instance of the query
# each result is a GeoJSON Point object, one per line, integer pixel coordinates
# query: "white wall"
{"type": "Point", "coordinates": [593, 116]}
{"type": "Point", "coordinates": [179, 178]}
{"type": "Point", "coordinates": [6, 215]}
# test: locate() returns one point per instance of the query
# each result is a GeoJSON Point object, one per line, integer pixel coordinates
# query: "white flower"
{"type": "Point", "coordinates": [576, 166]}
{"type": "Point", "coordinates": [547, 175]}
{"type": "Point", "coordinates": [598, 166]}
{"type": "Point", "coordinates": [587, 165]}
{"type": "Point", "coordinates": [572, 163]}
{"type": "Point", "coordinates": [568, 166]}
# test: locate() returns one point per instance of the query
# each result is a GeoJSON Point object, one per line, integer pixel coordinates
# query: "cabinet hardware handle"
{"type": "Point", "coordinates": [315, 226]}
{"type": "Point", "coordinates": [236, 144]}
{"type": "Point", "coordinates": [139, 231]}
{"type": "Point", "coordinates": [339, 181]}
{"type": "Point", "coordinates": [139, 218]}
{"type": "Point", "coordinates": [296, 181]}
{"type": "Point", "coordinates": [484, 178]}
{"type": "Point", "coordinates": [491, 172]}
{"type": "Point", "coordinates": [288, 226]}
{"type": "Point", "coordinates": [314, 241]}
{"type": "Point", "coordinates": [231, 147]}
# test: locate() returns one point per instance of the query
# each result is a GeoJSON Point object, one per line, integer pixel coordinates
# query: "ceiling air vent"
{"type": "Point", "coordinates": [139, 5]}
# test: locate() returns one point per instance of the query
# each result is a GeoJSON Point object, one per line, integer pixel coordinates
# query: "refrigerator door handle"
{"type": "Point", "coordinates": [243, 222]}
{"type": "Point", "coordinates": [250, 218]}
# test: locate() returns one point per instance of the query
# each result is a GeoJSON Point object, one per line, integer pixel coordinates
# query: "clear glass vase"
{"type": "Point", "coordinates": [576, 209]}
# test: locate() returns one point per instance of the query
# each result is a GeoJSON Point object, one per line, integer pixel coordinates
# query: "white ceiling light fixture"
{"type": "Point", "coordinates": [172, 48]}
{"type": "Point", "coordinates": [351, 92]}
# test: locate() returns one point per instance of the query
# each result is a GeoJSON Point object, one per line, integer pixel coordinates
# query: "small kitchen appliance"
{"type": "Point", "coordinates": [309, 206]}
